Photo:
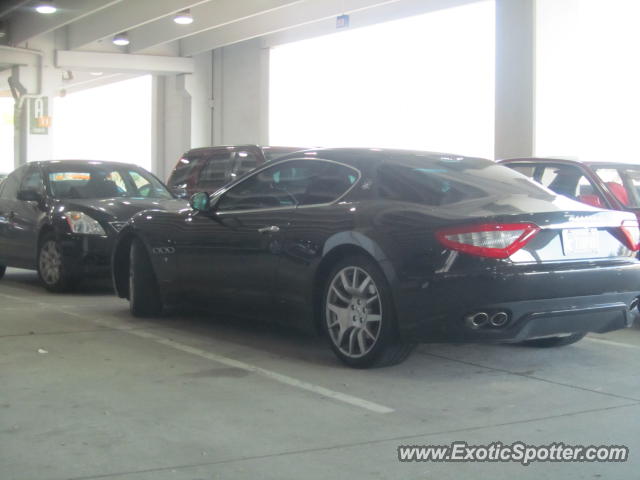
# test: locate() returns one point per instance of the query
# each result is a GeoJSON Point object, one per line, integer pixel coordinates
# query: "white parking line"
{"type": "Point", "coordinates": [612, 343]}
{"type": "Point", "coordinates": [230, 362]}
{"type": "Point", "coordinates": [278, 377]}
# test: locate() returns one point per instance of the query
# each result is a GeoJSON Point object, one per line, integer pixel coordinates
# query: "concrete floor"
{"type": "Point", "coordinates": [193, 398]}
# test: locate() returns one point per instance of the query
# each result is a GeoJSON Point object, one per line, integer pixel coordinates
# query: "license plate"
{"type": "Point", "coordinates": [580, 241]}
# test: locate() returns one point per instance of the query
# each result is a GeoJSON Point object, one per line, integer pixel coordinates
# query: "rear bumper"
{"type": "Point", "coordinates": [538, 304]}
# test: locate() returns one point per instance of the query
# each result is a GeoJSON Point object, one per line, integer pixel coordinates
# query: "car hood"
{"type": "Point", "coordinates": [122, 209]}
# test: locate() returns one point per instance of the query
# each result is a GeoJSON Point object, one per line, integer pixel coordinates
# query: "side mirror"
{"type": "Point", "coordinates": [200, 202]}
{"type": "Point", "coordinates": [30, 196]}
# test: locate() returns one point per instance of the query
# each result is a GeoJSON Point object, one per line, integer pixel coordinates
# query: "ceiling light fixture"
{"type": "Point", "coordinates": [46, 7]}
{"type": "Point", "coordinates": [122, 40]}
{"type": "Point", "coordinates": [183, 18]}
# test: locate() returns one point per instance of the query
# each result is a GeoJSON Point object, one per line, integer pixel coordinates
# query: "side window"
{"type": "Point", "coordinates": [33, 180]}
{"type": "Point", "coordinates": [273, 187]}
{"type": "Point", "coordinates": [569, 181]}
{"type": "Point", "coordinates": [244, 163]}
{"type": "Point", "coordinates": [216, 172]}
{"type": "Point", "coordinates": [11, 184]}
{"type": "Point", "coordinates": [329, 182]}
{"type": "Point", "coordinates": [297, 182]}
{"type": "Point", "coordinates": [184, 171]}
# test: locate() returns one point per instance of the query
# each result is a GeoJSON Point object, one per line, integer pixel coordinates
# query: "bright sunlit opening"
{"type": "Point", "coordinates": [6, 134]}
{"type": "Point", "coordinates": [426, 82]}
{"type": "Point", "coordinates": [587, 79]}
{"type": "Point", "coordinates": [111, 122]}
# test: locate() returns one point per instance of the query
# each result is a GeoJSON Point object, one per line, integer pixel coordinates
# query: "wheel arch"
{"type": "Point", "coordinates": [45, 230]}
{"type": "Point", "coordinates": [336, 248]}
{"type": "Point", "coordinates": [120, 260]}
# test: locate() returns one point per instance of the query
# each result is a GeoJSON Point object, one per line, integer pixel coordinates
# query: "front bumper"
{"type": "Point", "coordinates": [87, 255]}
{"type": "Point", "coordinates": [538, 303]}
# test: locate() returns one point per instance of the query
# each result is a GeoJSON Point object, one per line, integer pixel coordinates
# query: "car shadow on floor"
{"type": "Point", "coordinates": [28, 280]}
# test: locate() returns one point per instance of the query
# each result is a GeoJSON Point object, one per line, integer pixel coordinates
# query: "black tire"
{"type": "Point", "coordinates": [550, 342]}
{"type": "Point", "coordinates": [144, 295]}
{"type": "Point", "coordinates": [387, 348]}
{"type": "Point", "coordinates": [3, 269]}
{"type": "Point", "coordinates": [52, 270]}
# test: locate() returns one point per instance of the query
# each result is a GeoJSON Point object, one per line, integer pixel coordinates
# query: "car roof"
{"type": "Point", "coordinates": [241, 146]}
{"type": "Point", "coordinates": [75, 163]}
{"type": "Point", "coordinates": [388, 154]}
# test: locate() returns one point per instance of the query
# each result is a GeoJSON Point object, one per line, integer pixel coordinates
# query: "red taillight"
{"type": "Point", "coordinates": [631, 234]}
{"type": "Point", "coordinates": [494, 240]}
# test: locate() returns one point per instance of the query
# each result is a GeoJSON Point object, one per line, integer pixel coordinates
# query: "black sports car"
{"type": "Point", "coordinates": [62, 217]}
{"type": "Point", "coordinates": [382, 249]}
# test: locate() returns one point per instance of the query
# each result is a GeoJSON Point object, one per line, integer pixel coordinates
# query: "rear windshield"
{"type": "Point", "coordinates": [103, 181]}
{"type": "Point", "coordinates": [272, 153]}
{"type": "Point", "coordinates": [451, 180]}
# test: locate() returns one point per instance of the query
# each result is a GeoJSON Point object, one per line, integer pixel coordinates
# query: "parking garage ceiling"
{"type": "Point", "coordinates": [150, 25]}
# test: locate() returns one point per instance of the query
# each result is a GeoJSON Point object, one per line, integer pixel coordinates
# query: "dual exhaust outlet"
{"type": "Point", "coordinates": [480, 319]}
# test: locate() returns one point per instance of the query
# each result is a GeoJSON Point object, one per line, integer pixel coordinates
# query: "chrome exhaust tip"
{"type": "Point", "coordinates": [499, 319]}
{"type": "Point", "coordinates": [476, 320]}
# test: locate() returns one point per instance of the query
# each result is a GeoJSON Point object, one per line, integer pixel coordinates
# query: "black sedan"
{"type": "Point", "coordinates": [62, 217]}
{"type": "Point", "coordinates": [384, 249]}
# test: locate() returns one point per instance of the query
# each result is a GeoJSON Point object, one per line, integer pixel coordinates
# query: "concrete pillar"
{"type": "Point", "coordinates": [34, 78]}
{"type": "Point", "coordinates": [171, 123]}
{"type": "Point", "coordinates": [241, 94]}
{"type": "Point", "coordinates": [515, 78]}
{"type": "Point", "coordinates": [198, 85]}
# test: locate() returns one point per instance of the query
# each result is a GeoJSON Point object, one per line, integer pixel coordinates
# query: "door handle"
{"type": "Point", "coordinates": [271, 229]}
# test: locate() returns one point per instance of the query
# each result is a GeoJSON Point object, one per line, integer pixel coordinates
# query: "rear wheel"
{"type": "Point", "coordinates": [555, 341]}
{"type": "Point", "coordinates": [52, 270]}
{"type": "Point", "coordinates": [144, 296]}
{"type": "Point", "coordinates": [359, 317]}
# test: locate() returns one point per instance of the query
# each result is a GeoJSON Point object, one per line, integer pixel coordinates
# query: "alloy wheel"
{"type": "Point", "coordinates": [50, 262]}
{"type": "Point", "coordinates": [353, 312]}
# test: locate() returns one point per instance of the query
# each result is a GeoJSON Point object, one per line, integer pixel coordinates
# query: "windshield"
{"type": "Point", "coordinates": [104, 181]}
{"type": "Point", "coordinates": [623, 182]}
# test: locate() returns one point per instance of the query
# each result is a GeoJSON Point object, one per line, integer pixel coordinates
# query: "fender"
{"type": "Point", "coordinates": [362, 241]}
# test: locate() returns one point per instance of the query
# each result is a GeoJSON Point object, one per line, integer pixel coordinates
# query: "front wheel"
{"type": "Point", "coordinates": [52, 270]}
{"type": "Point", "coordinates": [359, 317]}
{"type": "Point", "coordinates": [554, 341]}
{"type": "Point", "coordinates": [144, 297]}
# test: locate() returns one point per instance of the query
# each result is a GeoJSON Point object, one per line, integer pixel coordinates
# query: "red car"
{"type": "Point", "coordinates": [614, 186]}
{"type": "Point", "coordinates": [209, 168]}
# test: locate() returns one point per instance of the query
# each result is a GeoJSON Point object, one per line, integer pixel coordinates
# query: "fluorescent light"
{"type": "Point", "coordinates": [183, 18]}
{"type": "Point", "coordinates": [46, 8]}
{"type": "Point", "coordinates": [95, 74]}
{"type": "Point", "coordinates": [122, 40]}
